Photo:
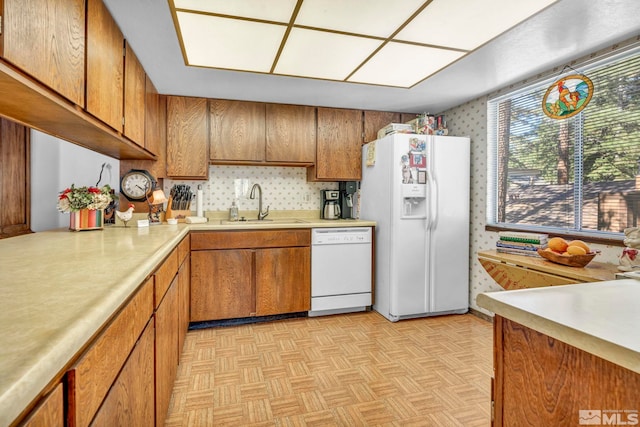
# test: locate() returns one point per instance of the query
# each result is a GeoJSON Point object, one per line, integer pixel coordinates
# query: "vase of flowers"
{"type": "Point", "coordinates": [85, 205]}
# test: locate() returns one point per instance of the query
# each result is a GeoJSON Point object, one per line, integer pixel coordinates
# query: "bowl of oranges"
{"type": "Point", "coordinates": [575, 253]}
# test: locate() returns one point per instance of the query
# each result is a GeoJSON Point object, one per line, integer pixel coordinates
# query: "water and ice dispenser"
{"type": "Point", "coordinates": [414, 201]}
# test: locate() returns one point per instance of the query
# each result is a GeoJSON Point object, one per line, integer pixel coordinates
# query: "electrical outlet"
{"type": "Point", "coordinates": [306, 198]}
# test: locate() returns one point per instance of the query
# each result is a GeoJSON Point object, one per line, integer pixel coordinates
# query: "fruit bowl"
{"type": "Point", "coordinates": [568, 260]}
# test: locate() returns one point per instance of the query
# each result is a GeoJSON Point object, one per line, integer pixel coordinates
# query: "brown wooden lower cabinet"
{"type": "Point", "coordinates": [49, 412]}
{"type": "Point", "coordinates": [130, 400]}
{"type": "Point", "coordinates": [167, 325]}
{"type": "Point", "coordinates": [544, 382]}
{"type": "Point", "coordinates": [184, 291]}
{"type": "Point", "coordinates": [283, 276]}
{"type": "Point", "coordinates": [249, 273]}
{"type": "Point", "coordinates": [222, 284]}
{"type": "Point", "coordinates": [126, 376]}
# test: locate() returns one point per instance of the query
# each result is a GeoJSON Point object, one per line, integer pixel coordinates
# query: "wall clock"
{"type": "Point", "coordinates": [136, 184]}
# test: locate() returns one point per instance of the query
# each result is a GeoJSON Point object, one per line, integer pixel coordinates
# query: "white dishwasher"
{"type": "Point", "coordinates": [340, 270]}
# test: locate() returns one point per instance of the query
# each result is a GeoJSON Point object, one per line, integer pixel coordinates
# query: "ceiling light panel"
{"type": "Point", "coordinates": [271, 10]}
{"type": "Point", "coordinates": [216, 42]}
{"type": "Point", "coordinates": [323, 55]}
{"type": "Point", "coordinates": [403, 65]}
{"type": "Point", "coordinates": [372, 18]}
{"type": "Point", "coordinates": [466, 24]}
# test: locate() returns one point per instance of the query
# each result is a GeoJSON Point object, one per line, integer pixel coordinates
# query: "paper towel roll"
{"type": "Point", "coordinates": [199, 202]}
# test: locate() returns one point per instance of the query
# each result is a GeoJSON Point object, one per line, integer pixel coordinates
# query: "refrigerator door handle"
{"type": "Point", "coordinates": [433, 201]}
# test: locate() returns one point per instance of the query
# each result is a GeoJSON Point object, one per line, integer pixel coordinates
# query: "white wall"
{"type": "Point", "coordinates": [55, 165]}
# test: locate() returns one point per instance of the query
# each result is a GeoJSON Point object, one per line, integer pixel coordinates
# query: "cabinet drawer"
{"type": "Point", "coordinates": [90, 379]}
{"type": "Point", "coordinates": [250, 239]}
{"type": "Point", "coordinates": [164, 276]}
{"type": "Point", "coordinates": [183, 250]}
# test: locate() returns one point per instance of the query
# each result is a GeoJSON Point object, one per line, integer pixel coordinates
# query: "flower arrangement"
{"type": "Point", "coordinates": [77, 198]}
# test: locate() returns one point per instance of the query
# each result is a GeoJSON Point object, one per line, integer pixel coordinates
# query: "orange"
{"type": "Point", "coordinates": [576, 250]}
{"type": "Point", "coordinates": [581, 244]}
{"type": "Point", "coordinates": [558, 244]}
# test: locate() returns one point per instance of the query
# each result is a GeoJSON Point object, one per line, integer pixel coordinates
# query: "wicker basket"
{"type": "Point", "coordinates": [569, 260]}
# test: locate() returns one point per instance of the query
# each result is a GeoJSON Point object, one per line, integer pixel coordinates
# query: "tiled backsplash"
{"type": "Point", "coordinates": [283, 188]}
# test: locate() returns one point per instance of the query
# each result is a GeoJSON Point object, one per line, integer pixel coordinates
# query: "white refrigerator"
{"type": "Point", "coordinates": [416, 187]}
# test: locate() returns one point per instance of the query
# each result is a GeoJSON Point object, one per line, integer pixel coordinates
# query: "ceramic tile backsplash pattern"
{"type": "Point", "coordinates": [471, 119]}
{"type": "Point", "coordinates": [283, 188]}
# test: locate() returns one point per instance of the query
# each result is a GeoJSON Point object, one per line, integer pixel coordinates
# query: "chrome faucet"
{"type": "Point", "coordinates": [261, 215]}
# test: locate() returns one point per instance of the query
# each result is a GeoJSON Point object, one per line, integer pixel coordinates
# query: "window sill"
{"type": "Point", "coordinates": [612, 241]}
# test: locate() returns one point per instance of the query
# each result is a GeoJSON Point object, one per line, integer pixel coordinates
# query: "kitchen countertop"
{"type": "Point", "coordinates": [601, 318]}
{"type": "Point", "coordinates": [59, 288]}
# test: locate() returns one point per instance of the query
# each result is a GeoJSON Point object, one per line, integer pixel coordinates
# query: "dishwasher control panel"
{"type": "Point", "coordinates": [341, 236]}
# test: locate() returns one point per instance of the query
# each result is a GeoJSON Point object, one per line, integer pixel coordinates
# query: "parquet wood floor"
{"type": "Point", "coordinates": [356, 369]}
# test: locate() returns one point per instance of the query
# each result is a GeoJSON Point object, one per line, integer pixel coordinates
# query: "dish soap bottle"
{"type": "Point", "coordinates": [233, 212]}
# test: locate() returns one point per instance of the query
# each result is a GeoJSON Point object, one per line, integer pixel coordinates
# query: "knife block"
{"type": "Point", "coordinates": [180, 215]}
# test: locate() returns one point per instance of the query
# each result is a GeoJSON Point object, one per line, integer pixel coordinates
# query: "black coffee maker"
{"type": "Point", "coordinates": [347, 191]}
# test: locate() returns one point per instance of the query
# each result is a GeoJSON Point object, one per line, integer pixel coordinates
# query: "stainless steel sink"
{"type": "Point", "coordinates": [263, 221]}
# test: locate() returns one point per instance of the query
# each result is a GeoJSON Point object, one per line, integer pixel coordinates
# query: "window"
{"type": "Point", "coordinates": [579, 175]}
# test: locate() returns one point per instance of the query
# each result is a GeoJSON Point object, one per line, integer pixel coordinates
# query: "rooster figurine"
{"type": "Point", "coordinates": [126, 215]}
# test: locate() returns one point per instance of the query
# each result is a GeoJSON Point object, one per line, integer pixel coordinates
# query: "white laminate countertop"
{"type": "Point", "coordinates": [59, 288]}
{"type": "Point", "coordinates": [602, 318]}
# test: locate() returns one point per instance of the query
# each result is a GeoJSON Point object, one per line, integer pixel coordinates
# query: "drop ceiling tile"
{"type": "Point", "coordinates": [323, 55]}
{"type": "Point", "coordinates": [271, 10]}
{"type": "Point", "coordinates": [403, 65]}
{"type": "Point", "coordinates": [211, 41]}
{"type": "Point", "coordinates": [372, 18]}
{"type": "Point", "coordinates": [465, 24]}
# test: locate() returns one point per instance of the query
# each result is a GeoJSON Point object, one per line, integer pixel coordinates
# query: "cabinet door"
{"type": "Point", "coordinates": [376, 120]}
{"type": "Point", "coordinates": [167, 325]}
{"type": "Point", "coordinates": [184, 281]}
{"type": "Point", "coordinates": [339, 146]}
{"type": "Point", "coordinates": [46, 39]}
{"type": "Point", "coordinates": [105, 66]}
{"type": "Point", "coordinates": [187, 137]}
{"type": "Point", "coordinates": [155, 137]}
{"type": "Point", "coordinates": [130, 400]}
{"type": "Point", "coordinates": [15, 199]}
{"type": "Point", "coordinates": [222, 284]}
{"type": "Point", "coordinates": [291, 133]}
{"type": "Point", "coordinates": [283, 280]}
{"type": "Point", "coordinates": [237, 130]}
{"type": "Point", "coordinates": [134, 97]}
{"type": "Point", "coordinates": [50, 412]}
{"type": "Point", "coordinates": [407, 117]}
{"type": "Point", "coordinates": [155, 128]}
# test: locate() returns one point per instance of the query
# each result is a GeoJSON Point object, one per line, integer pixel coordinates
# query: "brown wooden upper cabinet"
{"type": "Point", "coordinates": [46, 39]}
{"type": "Point", "coordinates": [237, 131]}
{"type": "Point", "coordinates": [187, 137]}
{"type": "Point", "coordinates": [134, 97]}
{"type": "Point", "coordinates": [105, 66]}
{"type": "Point", "coordinates": [15, 199]}
{"type": "Point", "coordinates": [376, 120]}
{"type": "Point", "coordinates": [256, 133]}
{"type": "Point", "coordinates": [291, 133]}
{"type": "Point", "coordinates": [155, 129]}
{"type": "Point", "coordinates": [338, 146]}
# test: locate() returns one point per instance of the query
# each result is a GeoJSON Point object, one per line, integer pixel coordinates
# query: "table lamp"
{"type": "Point", "coordinates": [155, 205]}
